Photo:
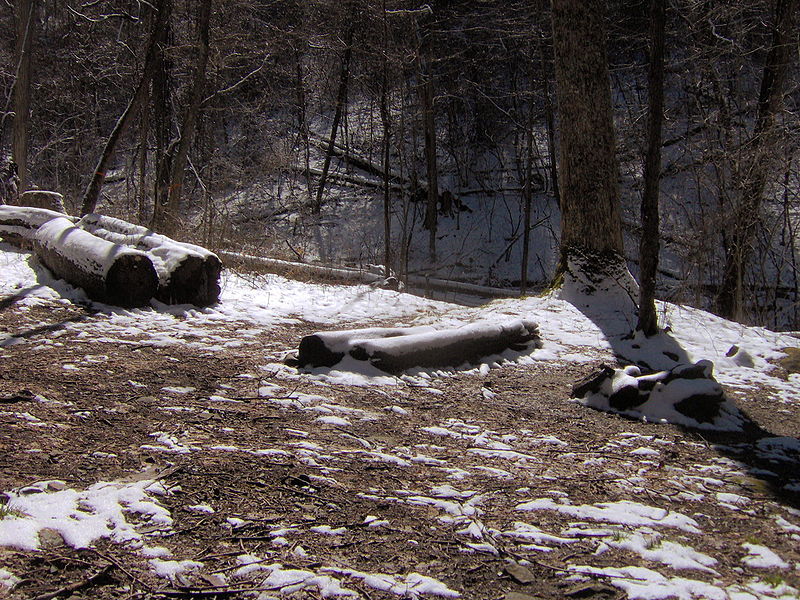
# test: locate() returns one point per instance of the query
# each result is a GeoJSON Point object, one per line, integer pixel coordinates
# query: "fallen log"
{"type": "Point", "coordinates": [107, 272]}
{"type": "Point", "coordinates": [328, 348]}
{"type": "Point", "coordinates": [469, 344]}
{"type": "Point", "coordinates": [187, 274]}
{"type": "Point", "coordinates": [394, 350]}
{"type": "Point", "coordinates": [18, 224]}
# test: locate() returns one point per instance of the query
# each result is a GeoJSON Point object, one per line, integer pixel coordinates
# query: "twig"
{"type": "Point", "coordinates": [74, 586]}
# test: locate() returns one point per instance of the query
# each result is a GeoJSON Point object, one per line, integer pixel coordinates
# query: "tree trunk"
{"type": "Point", "coordinates": [178, 150]}
{"type": "Point", "coordinates": [762, 152]}
{"type": "Point", "coordinates": [590, 214]}
{"type": "Point", "coordinates": [341, 98]}
{"type": "Point", "coordinates": [549, 121]}
{"type": "Point", "coordinates": [649, 243]}
{"type": "Point", "coordinates": [92, 193]}
{"type": "Point", "coordinates": [432, 172]}
{"type": "Point", "coordinates": [24, 10]}
{"type": "Point", "coordinates": [385, 121]}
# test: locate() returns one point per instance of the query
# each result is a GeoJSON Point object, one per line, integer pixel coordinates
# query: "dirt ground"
{"type": "Point", "coordinates": [106, 400]}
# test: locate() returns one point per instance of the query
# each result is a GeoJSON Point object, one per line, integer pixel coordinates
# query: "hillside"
{"type": "Point", "coordinates": [168, 452]}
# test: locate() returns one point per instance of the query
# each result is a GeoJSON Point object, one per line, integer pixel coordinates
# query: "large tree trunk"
{"type": "Point", "coordinates": [590, 214]}
{"type": "Point", "coordinates": [24, 12]}
{"type": "Point", "coordinates": [92, 193]}
{"type": "Point", "coordinates": [649, 243]}
{"type": "Point", "coordinates": [178, 152]}
{"type": "Point", "coordinates": [762, 152]}
{"type": "Point", "coordinates": [107, 272]}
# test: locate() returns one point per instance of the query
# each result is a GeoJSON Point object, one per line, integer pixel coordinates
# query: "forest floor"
{"type": "Point", "coordinates": [205, 468]}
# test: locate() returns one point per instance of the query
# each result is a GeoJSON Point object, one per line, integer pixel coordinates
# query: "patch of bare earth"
{"type": "Point", "coordinates": [95, 411]}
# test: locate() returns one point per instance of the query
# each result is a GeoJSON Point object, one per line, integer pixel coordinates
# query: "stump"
{"type": "Point", "coordinates": [43, 199]}
{"type": "Point", "coordinates": [187, 274]}
{"type": "Point", "coordinates": [107, 272]}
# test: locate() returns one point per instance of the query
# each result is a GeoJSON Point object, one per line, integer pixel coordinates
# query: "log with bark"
{"type": "Point", "coordinates": [398, 349]}
{"type": "Point", "coordinates": [107, 272]}
{"type": "Point", "coordinates": [328, 348]}
{"type": "Point", "coordinates": [187, 274]}
{"type": "Point", "coordinates": [18, 224]}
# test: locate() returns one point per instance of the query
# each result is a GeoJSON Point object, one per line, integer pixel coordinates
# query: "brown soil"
{"type": "Point", "coordinates": [97, 421]}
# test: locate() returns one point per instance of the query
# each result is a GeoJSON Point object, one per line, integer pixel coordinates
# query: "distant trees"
{"type": "Point", "coordinates": [425, 108]}
{"type": "Point", "coordinates": [24, 11]}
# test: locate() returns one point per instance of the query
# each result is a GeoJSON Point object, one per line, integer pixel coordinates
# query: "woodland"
{"type": "Point", "coordinates": [239, 124]}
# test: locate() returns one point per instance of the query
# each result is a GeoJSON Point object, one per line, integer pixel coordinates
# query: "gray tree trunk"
{"type": "Point", "coordinates": [590, 214]}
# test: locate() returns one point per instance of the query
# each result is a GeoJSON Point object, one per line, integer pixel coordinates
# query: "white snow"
{"type": "Point", "coordinates": [761, 557]}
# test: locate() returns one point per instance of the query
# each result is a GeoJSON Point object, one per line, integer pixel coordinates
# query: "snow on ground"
{"type": "Point", "coordinates": [647, 527]}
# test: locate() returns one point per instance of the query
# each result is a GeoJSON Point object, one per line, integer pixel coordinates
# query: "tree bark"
{"type": "Point", "coordinates": [92, 193]}
{"type": "Point", "coordinates": [590, 214]}
{"type": "Point", "coordinates": [341, 99]}
{"type": "Point", "coordinates": [24, 11]}
{"type": "Point", "coordinates": [762, 152]}
{"type": "Point", "coordinates": [649, 242]}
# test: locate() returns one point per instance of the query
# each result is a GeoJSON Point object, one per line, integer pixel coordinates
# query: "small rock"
{"type": "Point", "coordinates": [50, 538]}
{"type": "Point", "coordinates": [519, 573]}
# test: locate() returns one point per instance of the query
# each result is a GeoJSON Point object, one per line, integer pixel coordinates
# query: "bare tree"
{"type": "Point", "coordinates": [649, 244]}
{"type": "Point", "coordinates": [24, 12]}
{"type": "Point", "coordinates": [761, 156]}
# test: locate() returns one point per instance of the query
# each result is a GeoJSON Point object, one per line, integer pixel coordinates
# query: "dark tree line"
{"type": "Point", "coordinates": [159, 111]}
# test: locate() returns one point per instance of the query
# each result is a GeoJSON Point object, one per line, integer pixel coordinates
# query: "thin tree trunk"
{"type": "Point", "coordinates": [762, 152]}
{"type": "Point", "coordinates": [649, 243]}
{"type": "Point", "coordinates": [549, 121]}
{"type": "Point", "coordinates": [527, 193]}
{"type": "Point", "coordinates": [432, 173]}
{"type": "Point", "coordinates": [24, 10]}
{"type": "Point", "coordinates": [341, 96]}
{"type": "Point", "coordinates": [92, 193]}
{"type": "Point", "coordinates": [179, 149]}
{"type": "Point", "coordinates": [385, 121]}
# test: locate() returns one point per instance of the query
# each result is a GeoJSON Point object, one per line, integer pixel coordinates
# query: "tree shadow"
{"type": "Point", "coordinates": [771, 462]}
{"type": "Point", "coordinates": [29, 333]}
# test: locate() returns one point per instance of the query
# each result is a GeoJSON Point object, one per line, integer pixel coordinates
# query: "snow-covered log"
{"type": "Point", "coordinates": [396, 349]}
{"type": "Point", "coordinates": [686, 395]}
{"type": "Point", "coordinates": [327, 348]}
{"type": "Point", "coordinates": [106, 271]}
{"type": "Point", "coordinates": [469, 344]}
{"type": "Point", "coordinates": [18, 224]}
{"type": "Point", "coordinates": [187, 274]}
{"type": "Point", "coordinates": [43, 199]}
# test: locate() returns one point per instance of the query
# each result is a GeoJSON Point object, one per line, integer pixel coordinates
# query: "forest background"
{"type": "Point", "coordinates": [415, 136]}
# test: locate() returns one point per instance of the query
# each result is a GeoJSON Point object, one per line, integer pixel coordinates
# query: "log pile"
{"type": "Point", "coordinates": [112, 260]}
{"type": "Point", "coordinates": [187, 274]}
{"type": "Point", "coordinates": [107, 272]}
